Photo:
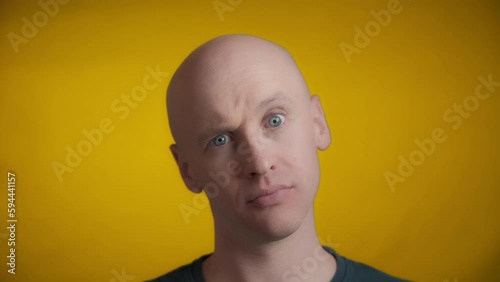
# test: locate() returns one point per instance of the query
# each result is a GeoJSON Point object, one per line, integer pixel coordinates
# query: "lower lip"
{"type": "Point", "coordinates": [272, 199]}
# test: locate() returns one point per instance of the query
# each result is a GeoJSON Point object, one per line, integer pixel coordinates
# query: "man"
{"type": "Point", "coordinates": [240, 112]}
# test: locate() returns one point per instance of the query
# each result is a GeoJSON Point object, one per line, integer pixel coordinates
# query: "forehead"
{"type": "Point", "coordinates": [234, 87]}
{"type": "Point", "coordinates": [226, 110]}
{"type": "Point", "coordinates": [225, 90]}
{"type": "Point", "coordinates": [240, 107]}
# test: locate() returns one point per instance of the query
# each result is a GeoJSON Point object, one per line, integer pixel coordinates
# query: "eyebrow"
{"type": "Point", "coordinates": [276, 97]}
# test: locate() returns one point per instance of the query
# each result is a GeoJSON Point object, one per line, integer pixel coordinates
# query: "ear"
{"type": "Point", "coordinates": [321, 129]}
{"type": "Point", "coordinates": [186, 173]}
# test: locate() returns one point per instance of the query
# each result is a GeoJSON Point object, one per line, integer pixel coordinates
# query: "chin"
{"type": "Point", "coordinates": [275, 224]}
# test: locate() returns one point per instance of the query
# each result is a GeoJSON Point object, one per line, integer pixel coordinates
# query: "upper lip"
{"type": "Point", "coordinates": [266, 191]}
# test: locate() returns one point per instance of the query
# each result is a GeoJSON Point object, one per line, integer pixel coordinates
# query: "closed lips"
{"type": "Point", "coordinates": [267, 192]}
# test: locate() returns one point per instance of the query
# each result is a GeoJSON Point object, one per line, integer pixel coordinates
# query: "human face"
{"type": "Point", "coordinates": [251, 145]}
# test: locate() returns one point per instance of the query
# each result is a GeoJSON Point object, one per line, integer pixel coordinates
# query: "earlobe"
{"type": "Point", "coordinates": [184, 170]}
{"type": "Point", "coordinates": [321, 128]}
{"type": "Point", "coordinates": [173, 150]}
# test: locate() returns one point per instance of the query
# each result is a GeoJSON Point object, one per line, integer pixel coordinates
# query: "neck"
{"type": "Point", "coordinates": [299, 255]}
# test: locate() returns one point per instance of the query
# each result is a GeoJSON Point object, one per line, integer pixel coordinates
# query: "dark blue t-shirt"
{"type": "Point", "coordinates": [347, 271]}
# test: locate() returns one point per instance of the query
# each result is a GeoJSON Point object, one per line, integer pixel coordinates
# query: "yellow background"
{"type": "Point", "coordinates": [119, 209]}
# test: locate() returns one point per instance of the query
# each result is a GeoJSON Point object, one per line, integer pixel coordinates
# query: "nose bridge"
{"type": "Point", "coordinates": [255, 155]}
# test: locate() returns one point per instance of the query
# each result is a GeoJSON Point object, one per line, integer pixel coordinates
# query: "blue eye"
{"type": "Point", "coordinates": [220, 140]}
{"type": "Point", "coordinates": [276, 120]}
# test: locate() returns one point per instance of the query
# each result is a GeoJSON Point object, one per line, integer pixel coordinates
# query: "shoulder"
{"type": "Point", "coordinates": [187, 273]}
{"type": "Point", "coordinates": [357, 271]}
{"type": "Point", "coordinates": [177, 275]}
{"type": "Point", "coordinates": [350, 270]}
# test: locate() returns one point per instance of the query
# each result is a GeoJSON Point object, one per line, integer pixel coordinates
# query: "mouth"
{"type": "Point", "coordinates": [270, 196]}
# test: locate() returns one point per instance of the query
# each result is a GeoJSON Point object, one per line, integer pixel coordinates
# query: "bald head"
{"type": "Point", "coordinates": [242, 119]}
{"type": "Point", "coordinates": [221, 72]}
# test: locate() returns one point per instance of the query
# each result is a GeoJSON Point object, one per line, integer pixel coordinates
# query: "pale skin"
{"type": "Point", "coordinates": [239, 106]}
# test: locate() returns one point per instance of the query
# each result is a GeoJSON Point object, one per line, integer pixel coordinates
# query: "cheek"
{"type": "Point", "coordinates": [303, 156]}
{"type": "Point", "coordinates": [300, 140]}
{"type": "Point", "coordinates": [216, 177]}
{"type": "Point", "coordinates": [205, 173]}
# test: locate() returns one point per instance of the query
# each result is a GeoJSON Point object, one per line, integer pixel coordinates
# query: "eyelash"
{"type": "Point", "coordinates": [281, 113]}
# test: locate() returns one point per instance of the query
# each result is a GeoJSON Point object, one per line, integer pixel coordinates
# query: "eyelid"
{"type": "Point", "coordinates": [278, 111]}
{"type": "Point", "coordinates": [274, 113]}
{"type": "Point", "coordinates": [211, 139]}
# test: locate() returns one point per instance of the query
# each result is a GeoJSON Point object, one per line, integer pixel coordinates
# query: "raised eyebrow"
{"type": "Point", "coordinates": [278, 97]}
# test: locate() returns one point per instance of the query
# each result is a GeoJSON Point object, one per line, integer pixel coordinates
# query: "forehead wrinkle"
{"type": "Point", "coordinates": [222, 118]}
{"type": "Point", "coordinates": [278, 96]}
{"type": "Point", "coordinates": [211, 68]}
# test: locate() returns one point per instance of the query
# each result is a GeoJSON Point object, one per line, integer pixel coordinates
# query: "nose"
{"type": "Point", "coordinates": [257, 160]}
